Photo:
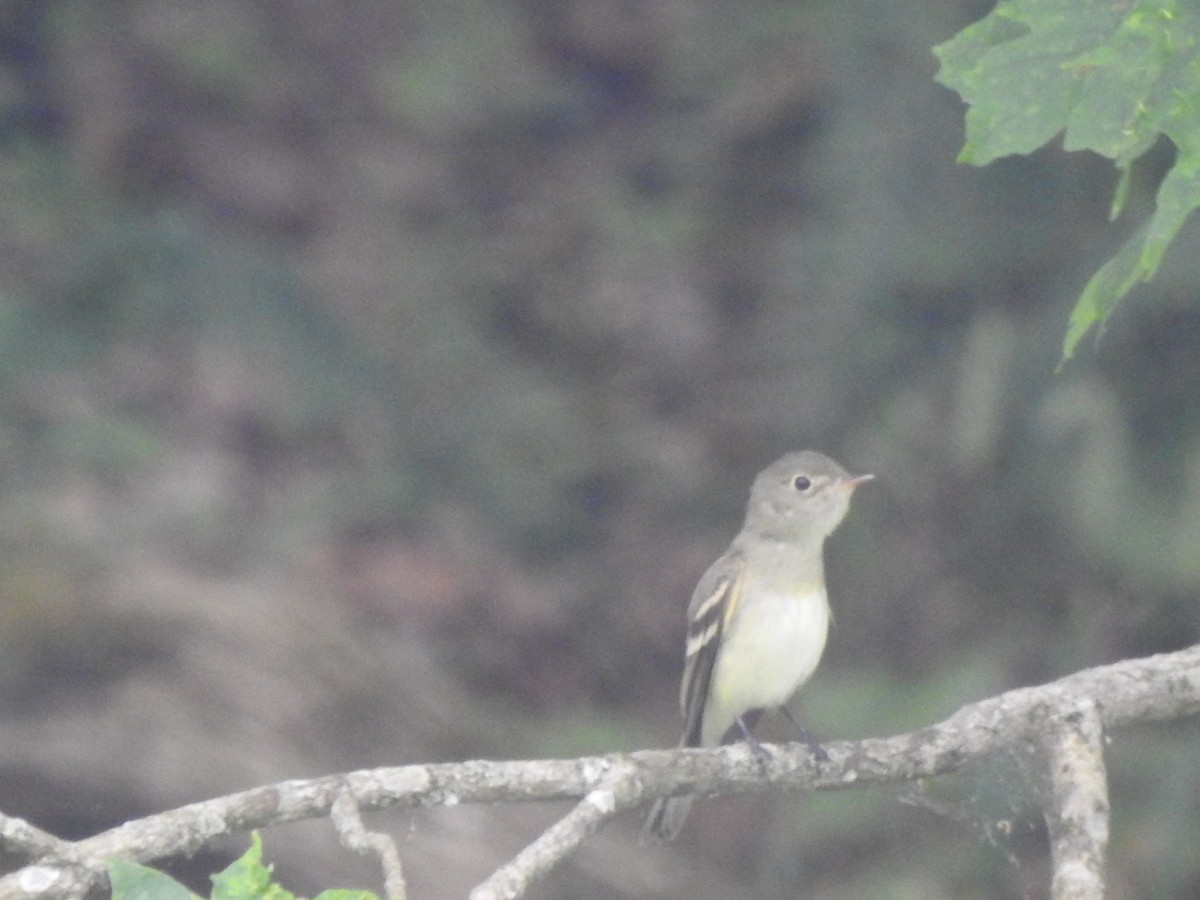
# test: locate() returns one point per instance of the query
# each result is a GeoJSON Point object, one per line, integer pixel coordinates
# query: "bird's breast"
{"type": "Point", "coordinates": [768, 650]}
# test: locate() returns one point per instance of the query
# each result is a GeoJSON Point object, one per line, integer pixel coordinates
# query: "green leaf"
{"type": "Point", "coordinates": [1010, 68]}
{"type": "Point", "coordinates": [1112, 78]}
{"type": "Point", "coordinates": [246, 878]}
{"type": "Point", "coordinates": [1103, 291]}
{"type": "Point", "coordinates": [1139, 258]}
{"type": "Point", "coordinates": [1130, 85]}
{"type": "Point", "coordinates": [131, 881]}
{"type": "Point", "coordinates": [1121, 194]}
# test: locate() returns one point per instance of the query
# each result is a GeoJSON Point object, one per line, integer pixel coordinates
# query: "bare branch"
{"type": "Point", "coordinates": [1078, 819]}
{"type": "Point", "coordinates": [18, 836]}
{"type": "Point", "coordinates": [619, 791]}
{"type": "Point", "coordinates": [1158, 687]}
{"type": "Point", "coordinates": [353, 832]}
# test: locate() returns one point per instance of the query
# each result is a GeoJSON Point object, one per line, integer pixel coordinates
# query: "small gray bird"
{"type": "Point", "coordinates": [759, 616]}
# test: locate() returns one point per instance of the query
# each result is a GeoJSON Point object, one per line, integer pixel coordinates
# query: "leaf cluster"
{"type": "Point", "coordinates": [1111, 77]}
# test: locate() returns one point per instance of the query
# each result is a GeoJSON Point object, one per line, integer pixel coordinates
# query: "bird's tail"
{"type": "Point", "coordinates": [665, 819]}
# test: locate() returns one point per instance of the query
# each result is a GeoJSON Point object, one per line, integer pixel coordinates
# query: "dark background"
{"type": "Point", "coordinates": [377, 379]}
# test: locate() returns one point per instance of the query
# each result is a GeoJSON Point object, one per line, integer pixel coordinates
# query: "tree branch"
{"type": "Point", "coordinates": [1159, 687]}
{"type": "Point", "coordinates": [1078, 816]}
{"type": "Point", "coordinates": [353, 831]}
{"type": "Point", "coordinates": [19, 836]}
{"type": "Point", "coordinates": [619, 790]}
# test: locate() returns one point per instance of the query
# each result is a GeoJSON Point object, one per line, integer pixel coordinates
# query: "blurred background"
{"type": "Point", "coordinates": [377, 379]}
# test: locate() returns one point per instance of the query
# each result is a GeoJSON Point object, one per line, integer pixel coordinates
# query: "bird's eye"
{"type": "Point", "coordinates": [801, 483]}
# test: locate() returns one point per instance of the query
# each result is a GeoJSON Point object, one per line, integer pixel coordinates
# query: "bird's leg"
{"type": "Point", "coordinates": [759, 750]}
{"type": "Point", "coordinates": [804, 735]}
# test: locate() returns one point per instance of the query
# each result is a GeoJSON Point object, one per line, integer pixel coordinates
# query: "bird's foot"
{"type": "Point", "coordinates": [758, 749]}
{"type": "Point", "coordinates": [803, 734]}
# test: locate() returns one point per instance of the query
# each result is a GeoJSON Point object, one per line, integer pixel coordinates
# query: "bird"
{"type": "Point", "coordinates": [759, 616]}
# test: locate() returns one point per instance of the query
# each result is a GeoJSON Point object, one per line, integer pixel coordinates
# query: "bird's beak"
{"type": "Point", "coordinates": [853, 482]}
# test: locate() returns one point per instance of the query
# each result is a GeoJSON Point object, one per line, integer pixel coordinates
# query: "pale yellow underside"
{"type": "Point", "coordinates": [768, 650]}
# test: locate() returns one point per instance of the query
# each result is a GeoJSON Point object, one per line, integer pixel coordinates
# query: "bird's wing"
{"type": "Point", "coordinates": [714, 603]}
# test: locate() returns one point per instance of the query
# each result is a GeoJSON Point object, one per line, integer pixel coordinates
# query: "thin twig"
{"type": "Point", "coordinates": [354, 836]}
{"type": "Point", "coordinates": [618, 792]}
